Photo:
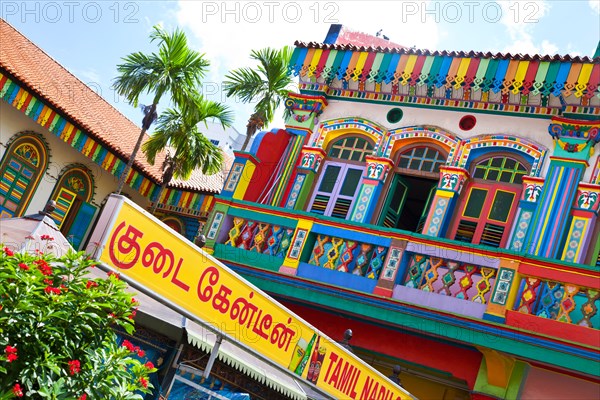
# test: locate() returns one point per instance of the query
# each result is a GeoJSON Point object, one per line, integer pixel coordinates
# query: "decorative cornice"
{"type": "Point", "coordinates": [556, 76]}
{"type": "Point", "coordinates": [445, 103]}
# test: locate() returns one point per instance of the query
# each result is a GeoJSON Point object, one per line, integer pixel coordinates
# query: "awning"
{"type": "Point", "coordinates": [243, 361]}
{"type": "Point", "coordinates": [24, 234]}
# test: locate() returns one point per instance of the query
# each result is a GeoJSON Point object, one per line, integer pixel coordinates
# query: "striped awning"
{"type": "Point", "coordinates": [243, 361]}
{"type": "Point", "coordinates": [518, 74]}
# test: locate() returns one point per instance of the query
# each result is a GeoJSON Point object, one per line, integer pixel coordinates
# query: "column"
{"type": "Point", "coordinates": [583, 219]}
{"type": "Point", "coordinates": [240, 175]}
{"type": "Point", "coordinates": [370, 188]}
{"type": "Point", "coordinates": [451, 182]}
{"type": "Point", "coordinates": [292, 258]}
{"type": "Point", "coordinates": [391, 268]}
{"type": "Point", "coordinates": [504, 291]}
{"type": "Point", "coordinates": [573, 145]}
{"type": "Point", "coordinates": [532, 188]}
{"type": "Point", "coordinates": [311, 159]}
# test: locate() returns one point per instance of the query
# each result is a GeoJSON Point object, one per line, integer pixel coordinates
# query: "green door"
{"type": "Point", "coordinates": [394, 202]}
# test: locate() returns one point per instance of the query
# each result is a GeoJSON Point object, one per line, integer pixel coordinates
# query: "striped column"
{"type": "Point", "coordinates": [451, 182]}
{"type": "Point", "coordinates": [583, 218]}
{"type": "Point", "coordinates": [370, 188]}
{"type": "Point", "coordinates": [550, 220]}
{"type": "Point", "coordinates": [311, 159]}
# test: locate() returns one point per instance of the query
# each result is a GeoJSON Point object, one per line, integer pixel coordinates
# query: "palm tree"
{"type": "Point", "coordinates": [188, 149]}
{"type": "Point", "coordinates": [175, 69]}
{"type": "Point", "coordinates": [268, 85]}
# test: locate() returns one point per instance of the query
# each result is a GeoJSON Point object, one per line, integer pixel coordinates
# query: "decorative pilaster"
{"type": "Point", "coordinates": [584, 215]}
{"type": "Point", "coordinates": [391, 268]}
{"type": "Point", "coordinates": [240, 175]}
{"type": "Point", "coordinates": [504, 291]}
{"type": "Point", "coordinates": [292, 258]}
{"type": "Point", "coordinates": [451, 182]}
{"type": "Point", "coordinates": [532, 189]}
{"type": "Point", "coordinates": [311, 159]}
{"type": "Point", "coordinates": [574, 142]}
{"type": "Point", "coordinates": [370, 188]}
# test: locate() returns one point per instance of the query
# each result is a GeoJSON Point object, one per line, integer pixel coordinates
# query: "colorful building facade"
{"type": "Point", "coordinates": [442, 205]}
{"type": "Point", "coordinates": [61, 141]}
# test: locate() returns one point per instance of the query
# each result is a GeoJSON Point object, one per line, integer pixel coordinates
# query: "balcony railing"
{"type": "Point", "coordinates": [349, 256]}
{"type": "Point", "coordinates": [559, 301]}
{"type": "Point", "coordinates": [450, 278]}
{"type": "Point", "coordinates": [260, 237]}
{"type": "Point", "coordinates": [432, 272]}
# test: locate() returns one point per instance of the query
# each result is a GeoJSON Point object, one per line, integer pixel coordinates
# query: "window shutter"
{"type": "Point", "coordinates": [80, 225]}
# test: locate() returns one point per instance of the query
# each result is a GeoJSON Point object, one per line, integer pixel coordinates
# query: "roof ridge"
{"type": "Point", "coordinates": [451, 53]}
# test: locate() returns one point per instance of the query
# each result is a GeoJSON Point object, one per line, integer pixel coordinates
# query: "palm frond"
{"type": "Point", "coordinates": [268, 84]}
{"type": "Point", "coordinates": [176, 69]}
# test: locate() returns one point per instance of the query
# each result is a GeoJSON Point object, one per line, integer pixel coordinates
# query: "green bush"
{"type": "Point", "coordinates": [56, 331]}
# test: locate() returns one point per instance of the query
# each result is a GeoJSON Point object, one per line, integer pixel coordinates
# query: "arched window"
{"type": "Point", "coordinates": [74, 212]}
{"type": "Point", "coordinates": [340, 176]}
{"type": "Point", "coordinates": [22, 166]}
{"type": "Point", "coordinates": [490, 200]}
{"type": "Point", "coordinates": [174, 223]}
{"type": "Point", "coordinates": [411, 188]}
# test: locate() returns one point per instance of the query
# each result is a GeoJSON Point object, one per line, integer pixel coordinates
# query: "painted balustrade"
{"type": "Point", "coordinates": [260, 237]}
{"type": "Point", "coordinates": [451, 278]}
{"type": "Point", "coordinates": [559, 301]}
{"type": "Point", "coordinates": [362, 259]}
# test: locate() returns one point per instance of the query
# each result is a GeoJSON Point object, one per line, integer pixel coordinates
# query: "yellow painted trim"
{"type": "Point", "coordinates": [444, 193]}
{"type": "Point", "coordinates": [244, 180]}
{"type": "Point", "coordinates": [334, 135]}
{"type": "Point", "coordinates": [302, 225]}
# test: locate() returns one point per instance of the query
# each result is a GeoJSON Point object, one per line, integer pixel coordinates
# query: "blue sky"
{"type": "Point", "coordinates": [90, 37]}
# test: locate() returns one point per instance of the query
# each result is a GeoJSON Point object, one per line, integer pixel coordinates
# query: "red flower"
{"type": "Point", "coordinates": [23, 266]}
{"type": "Point", "coordinates": [149, 365]}
{"type": "Point", "coordinates": [11, 353]}
{"type": "Point", "coordinates": [90, 284]}
{"type": "Point", "coordinates": [52, 290]}
{"type": "Point", "coordinates": [48, 281]}
{"type": "Point", "coordinates": [18, 392]}
{"type": "Point", "coordinates": [8, 252]}
{"type": "Point", "coordinates": [74, 367]}
{"type": "Point", "coordinates": [46, 237]}
{"type": "Point", "coordinates": [133, 313]}
{"type": "Point", "coordinates": [43, 266]}
{"type": "Point", "coordinates": [144, 382]}
{"type": "Point", "coordinates": [141, 353]}
{"type": "Point", "coordinates": [128, 345]}
{"type": "Point", "coordinates": [82, 397]}
{"type": "Point", "coordinates": [113, 274]}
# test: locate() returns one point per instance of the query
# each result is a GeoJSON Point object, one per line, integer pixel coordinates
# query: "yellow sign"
{"type": "Point", "coordinates": [173, 268]}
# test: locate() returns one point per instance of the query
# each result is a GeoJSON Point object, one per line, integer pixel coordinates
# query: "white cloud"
{"type": "Point", "coordinates": [520, 19]}
{"type": "Point", "coordinates": [595, 5]}
{"type": "Point", "coordinates": [228, 31]}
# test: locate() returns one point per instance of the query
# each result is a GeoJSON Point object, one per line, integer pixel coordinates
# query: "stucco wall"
{"type": "Point", "coordinates": [61, 154]}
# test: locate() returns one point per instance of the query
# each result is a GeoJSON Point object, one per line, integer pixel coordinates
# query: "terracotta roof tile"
{"type": "Point", "coordinates": [54, 84]}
